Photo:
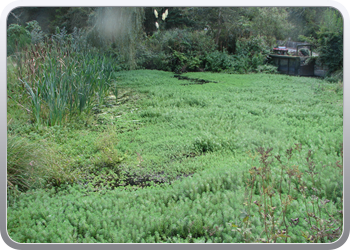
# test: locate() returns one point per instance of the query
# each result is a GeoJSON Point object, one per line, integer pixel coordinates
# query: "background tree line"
{"type": "Point", "coordinates": [235, 39]}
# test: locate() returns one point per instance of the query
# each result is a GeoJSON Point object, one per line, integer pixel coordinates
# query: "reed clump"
{"type": "Point", "coordinates": [60, 79]}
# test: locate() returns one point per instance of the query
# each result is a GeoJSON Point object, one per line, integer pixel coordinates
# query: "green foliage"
{"type": "Point", "coordinates": [336, 77]}
{"type": "Point", "coordinates": [117, 29]}
{"type": "Point", "coordinates": [61, 78]}
{"type": "Point", "coordinates": [274, 193]}
{"type": "Point", "coordinates": [331, 50]}
{"type": "Point", "coordinates": [329, 41]}
{"type": "Point", "coordinates": [106, 144]}
{"type": "Point", "coordinates": [190, 148]}
{"type": "Point", "coordinates": [71, 18]}
{"type": "Point", "coordinates": [271, 23]}
{"type": "Point", "coordinates": [17, 38]}
{"type": "Point", "coordinates": [197, 209]}
{"type": "Point", "coordinates": [37, 35]}
{"type": "Point", "coordinates": [175, 50]}
{"type": "Point", "coordinates": [267, 69]}
{"type": "Point", "coordinates": [21, 156]}
{"type": "Point", "coordinates": [130, 36]}
{"type": "Point", "coordinates": [332, 21]}
{"type": "Point", "coordinates": [252, 46]}
{"type": "Point", "coordinates": [218, 61]}
{"type": "Point", "coordinates": [304, 20]}
{"type": "Point", "coordinates": [156, 216]}
{"type": "Point", "coordinates": [251, 56]}
{"type": "Point", "coordinates": [33, 165]}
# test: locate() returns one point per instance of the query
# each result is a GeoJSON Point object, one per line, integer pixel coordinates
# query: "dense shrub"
{"type": "Point", "coordinates": [251, 53]}
{"type": "Point", "coordinates": [17, 38]}
{"type": "Point", "coordinates": [328, 43]}
{"type": "Point", "coordinates": [218, 61]}
{"type": "Point", "coordinates": [37, 35]}
{"type": "Point", "coordinates": [330, 40]}
{"type": "Point", "coordinates": [268, 69]}
{"type": "Point", "coordinates": [175, 50]}
{"type": "Point", "coordinates": [155, 58]}
{"type": "Point", "coordinates": [184, 50]}
{"type": "Point", "coordinates": [181, 50]}
{"type": "Point", "coordinates": [331, 50]}
{"type": "Point", "coordinates": [335, 77]}
{"type": "Point", "coordinates": [329, 46]}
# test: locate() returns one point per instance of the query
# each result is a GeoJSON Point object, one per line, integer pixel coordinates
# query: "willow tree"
{"type": "Point", "coordinates": [119, 28]}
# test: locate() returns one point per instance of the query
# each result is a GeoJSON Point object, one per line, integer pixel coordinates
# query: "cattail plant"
{"type": "Point", "coordinates": [61, 82]}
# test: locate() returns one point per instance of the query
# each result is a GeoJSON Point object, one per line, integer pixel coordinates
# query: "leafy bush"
{"type": "Point", "coordinates": [37, 35]}
{"type": "Point", "coordinates": [267, 69]}
{"type": "Point", "coordinates": [17, 38]}
{"type": "Point", "coordinates": [252, 45]}
{"type": "Point", "coordinates": [218, 61]}
{"type": "Point", "coordinates": [181, 51]}
{"type": "Point", "coordinates": [335, 77]}
{"type": "Point", "coordinates": [175, 50]}
{"type": "Point", "coordinates": [251, 53]}
{"type": "Point", "coordinates": [331, 51]}
{"type": "Point", "coordinates": [329, 41]}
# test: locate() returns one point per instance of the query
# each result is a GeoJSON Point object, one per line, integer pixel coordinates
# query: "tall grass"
{"type": "Point", "coordinates": [61, 81]}
{"type": "Point", "coordinates": [20, 155]}
{"type": "Point", "coordinates": [33, 165]}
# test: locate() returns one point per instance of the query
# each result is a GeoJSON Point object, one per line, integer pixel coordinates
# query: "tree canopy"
{"type": "Point", "coordinates": [124, 31]}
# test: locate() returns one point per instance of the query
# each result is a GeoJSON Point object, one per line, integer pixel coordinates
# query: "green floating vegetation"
{"type": "Point", "coordinates": [177, 163]}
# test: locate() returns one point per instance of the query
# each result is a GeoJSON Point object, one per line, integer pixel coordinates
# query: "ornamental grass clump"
{"type": "Point", "coordinates": [164, 16]}
{"type": "Point", "coordinates": [33, 165]}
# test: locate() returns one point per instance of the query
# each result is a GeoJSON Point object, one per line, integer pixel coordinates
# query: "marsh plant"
{"type": "Point", "coordinates": [60, 79]}
{"type": "Point", "coordinates": [270, 196]}
{"type": "Point", "coordinates": [168, 163]}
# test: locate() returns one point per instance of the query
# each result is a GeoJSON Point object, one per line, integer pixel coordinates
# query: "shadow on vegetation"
{"type": "Point", "coordinates": [193, 80]}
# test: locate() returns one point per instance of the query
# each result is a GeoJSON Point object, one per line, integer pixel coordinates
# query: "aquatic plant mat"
{"type": "Point", "coordinates": [241, 158]}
